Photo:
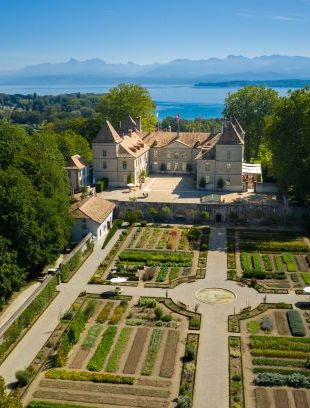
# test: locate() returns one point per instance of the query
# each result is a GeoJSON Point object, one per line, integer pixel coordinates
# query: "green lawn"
{"type": "Point", "coordinates": [253, 327]}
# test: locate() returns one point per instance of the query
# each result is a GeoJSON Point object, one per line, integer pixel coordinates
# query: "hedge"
{"type": "Point", "coordinates": [73, 333]}
{"type": "Point", "coordinates": [295, 323]}
{"type": "Point", "coordinates": [62, 374]}
{"type": "Point", "coordinates": [156, 256]}
{"type": "Point", "coordinates": [43, 404]}
{"type": "Point", "coordinates": [28, 316]}
{"type": "Point", "coordinates": [273, 246]}
{"type": "Point", "coordinates": [116, 225]}
{"type": "Point", "coordinates": [69, 268]}
{"type": "Point", "coordinates": [279, 362]}
{"type": "Point", "coordinates": [280, 353]}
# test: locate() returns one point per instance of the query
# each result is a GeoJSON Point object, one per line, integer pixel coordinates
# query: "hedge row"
{"type": "Point", "coordinates": [156, 256]}
{"type": "Point", "coordinates": [26, 319]}
{"type": "Point", "coordinates": [278, 362]}
{"type": "Point", "coordinates": [295, 323]}
{"type": "Point", "coordinates": [43, 404]}
{"type": "Point", "coordinates": [57, 374]}
{"type": "Point", "coordinates": [69, 268]}
{"type": "Point", "coordinates": [73, 333]}
{"type": "Point", "coordinates": [273, 246]}
{"type": "Point", "coordinates": [280, 343]}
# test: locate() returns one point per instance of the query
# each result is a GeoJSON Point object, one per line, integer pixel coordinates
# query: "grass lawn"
{"type": "Point", "coordinates": [253, 327]}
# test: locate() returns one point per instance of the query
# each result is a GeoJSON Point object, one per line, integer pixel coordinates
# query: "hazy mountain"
{"type": "Point", "coordinates": [96, 71]}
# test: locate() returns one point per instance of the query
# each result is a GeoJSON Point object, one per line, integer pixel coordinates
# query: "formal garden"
{"type": "Point", "coordinates": [117, 351]}
{"type": "Point", "coordinates": [269, 363]}
{"type": "Point", "coordinates": [156, 256]}
{"type": "Point", "coordinates": [270, 261]}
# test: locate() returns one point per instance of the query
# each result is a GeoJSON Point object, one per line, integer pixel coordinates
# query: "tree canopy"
{"type": "Point", "coordinates": [250, 106]}
{"type": "Point", "coordinates": [288, 133]}
{"type": "Point", "coordinates": [34, 218]}
{"type": "Point", "coordinates": [129, 99]}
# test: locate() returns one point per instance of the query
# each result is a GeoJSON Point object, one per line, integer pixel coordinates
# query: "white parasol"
{"type": "Point", "coordinates": [307, 289]}
{"type": "Point", "coordinates": [118, 280]}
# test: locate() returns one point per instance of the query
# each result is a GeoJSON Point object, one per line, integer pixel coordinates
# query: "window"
{"type": "Point", "coordinates": [228, 155]}
{"type": "Point", "coordinates": [169, 155]}
{"type": "Point", "coordinates": [168, 166]}
{"type": "Point", "coordinates": [124, 165]}
{"type": "Point", "coordinates": [228, 167]}
{"type": "Point", "coordinates": [155, 153]}
{"type": "Point", "coordinates": [228, 182]}
{"type": "Point", "coordinates": [184, 166]}
{"type": "Point", "coordinates": [104, 165]}
{"type": "Point", "coordinates": [176, 155]}
{"type": "Point", "coordinates": [208, 179]}
{"type": "Point", "coordinates": [208, 166]}
{"type": "Point", "coordinates": [104, 153]}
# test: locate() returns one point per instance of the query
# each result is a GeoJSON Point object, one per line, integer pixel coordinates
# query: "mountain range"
{"type": "Point", "coordinates": [230, 68]}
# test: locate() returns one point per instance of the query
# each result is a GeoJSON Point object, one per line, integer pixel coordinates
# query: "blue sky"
{"type": "Point", "coordinates": [145, 31]}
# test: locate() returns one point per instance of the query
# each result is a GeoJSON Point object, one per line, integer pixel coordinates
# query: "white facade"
{"type": "Point", "coordinates": [83, 226]}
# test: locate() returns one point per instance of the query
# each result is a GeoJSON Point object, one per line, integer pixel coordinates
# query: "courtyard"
{"type": "Point", "coordinates": [181, 189]}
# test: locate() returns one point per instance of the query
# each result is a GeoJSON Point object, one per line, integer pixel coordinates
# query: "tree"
{"type": "Point", "coordinates": [250, 106]}
{"type": "Point", "coordinates": [287, 130]}
{"type": "Point", "coordinates": [205, 215]}
{"type": "Point", "coordinates": [71, 143]}
{"type": "Point", "coordinates": [153, 212]}
{"type": "Point", "coordinates": [12, 276]}
{"type": "Point", "coordinates": [7, 401]}
{"type": "Point", "coordinates": [166, 212]}
{"type": "Point", "coordinates": [129, 99]}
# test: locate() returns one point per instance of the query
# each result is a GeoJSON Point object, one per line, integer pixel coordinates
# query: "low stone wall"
{"type": "Point", "coordinates": [219, 212]}
{"type": "Point", "coordinates": [266, 188]}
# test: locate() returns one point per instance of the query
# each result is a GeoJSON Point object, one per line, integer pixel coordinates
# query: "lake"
{"type": "Point", "coordinates": [188, 101]}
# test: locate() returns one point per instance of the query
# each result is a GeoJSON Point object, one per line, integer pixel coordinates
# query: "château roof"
{"type": "Point", "coordinates": [107, 134]}
{"type": "Point", "coordinates": [230, 135]}
{"type": "Point", "coordinates": [128, 124]}
{"type": "Point", "coordinates": [161, 138]}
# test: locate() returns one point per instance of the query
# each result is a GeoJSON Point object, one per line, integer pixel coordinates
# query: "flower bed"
{"type": "Point", "coordinates": [104, 313]}
{"type": "Point", "coordinates": [155, 257]}
{"type": "Point", "coordinates": [88, 376]}
{"type": "Point", "coordinates": [236, 392]}
{"type": "Point", "coordinates": [189, 367]}
{"type": "Point", "coordinates": [119, 349]}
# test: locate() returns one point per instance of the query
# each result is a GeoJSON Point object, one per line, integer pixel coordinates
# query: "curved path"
{"type": "Point", "coordinates": [212, 385]}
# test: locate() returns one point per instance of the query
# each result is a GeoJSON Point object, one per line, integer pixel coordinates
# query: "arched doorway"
{"type": "Point", "coordinates": [218, 217]}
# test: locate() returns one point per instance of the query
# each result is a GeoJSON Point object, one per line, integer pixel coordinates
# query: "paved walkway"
{"type": "Point", "coordinates": [32, 342]}
{"type": "Point", "coordinates": [211, 388]}
{"type": "Point", "coordinates": [17, 303]}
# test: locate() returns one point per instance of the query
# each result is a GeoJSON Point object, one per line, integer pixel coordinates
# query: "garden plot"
{"type": "Point", "coordinates": [276, 260]}
{"type": "Point", "coordinates": [159, 256]}
{"type": "Point", "coordinates": [122, 353]}
{"type": "Point", "coordinates": [276, 352]}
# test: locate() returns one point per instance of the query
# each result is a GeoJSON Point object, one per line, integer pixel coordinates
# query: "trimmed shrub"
{"type": "Point", "coordinates": [295, 323]}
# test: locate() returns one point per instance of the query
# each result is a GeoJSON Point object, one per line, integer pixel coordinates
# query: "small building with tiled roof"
{"type": "Point", "coordinates": [91, 214]}
{"type": "Point", "coordinates": [78, 172]}
{"type": "Point", "coordinates": [215, 158]}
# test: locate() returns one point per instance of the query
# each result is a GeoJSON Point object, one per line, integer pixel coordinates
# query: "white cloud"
{"type": "Point", "coordinates": [286, 18]}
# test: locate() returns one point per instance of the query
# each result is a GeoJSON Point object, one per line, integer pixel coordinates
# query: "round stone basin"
{"type": "Point", "coordinates": [215, 296]}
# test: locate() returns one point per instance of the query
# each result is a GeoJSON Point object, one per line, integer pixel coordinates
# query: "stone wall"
{"type": "Point", "coordinates": [227, 213]}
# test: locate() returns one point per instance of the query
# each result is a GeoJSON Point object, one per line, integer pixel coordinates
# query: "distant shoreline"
{"type": "Point", "coordinates": [278, 83]}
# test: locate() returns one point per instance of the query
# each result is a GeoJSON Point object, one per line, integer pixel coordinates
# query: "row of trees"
{"type": "Point", "coordinates": [277, 134]}
{"type": "Point", "coordinates": [34, 200]}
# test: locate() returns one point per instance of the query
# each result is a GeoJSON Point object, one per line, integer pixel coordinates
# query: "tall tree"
{"type": "Point", "coordinates": [250, 106]}
{"type": "Point", "coordinates": [129, 99]}
{"type": "Point", "coordinates": [288, 131]}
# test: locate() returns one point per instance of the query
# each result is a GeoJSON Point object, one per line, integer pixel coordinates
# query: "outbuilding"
{"type": "Point", "coordinates": [91, 214]}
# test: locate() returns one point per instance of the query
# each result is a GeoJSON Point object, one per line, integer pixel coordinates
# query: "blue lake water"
{"type": "Point", "coordinates": [188, 101]}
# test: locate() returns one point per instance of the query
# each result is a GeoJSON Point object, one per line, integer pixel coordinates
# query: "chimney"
{"type": "Point", "coordinates": [139, 123]}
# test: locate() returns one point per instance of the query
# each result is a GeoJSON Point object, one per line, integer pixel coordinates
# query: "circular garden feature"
{"type": "Point", "coordinates": [215, 296]}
